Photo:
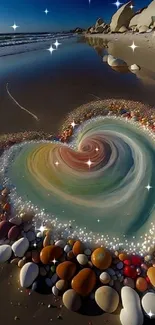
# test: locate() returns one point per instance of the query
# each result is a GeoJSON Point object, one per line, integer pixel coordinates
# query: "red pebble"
{"type": "Point", "coordinates": [136, 260]}
{"type": "Point", "coordinates": [130, 271]}
{"type": "Point", "coordinates": [147, 279]}
{"type": "Point", "coordinates": [127, 262]}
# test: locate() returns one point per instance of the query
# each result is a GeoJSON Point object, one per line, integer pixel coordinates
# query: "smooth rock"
{"type": "Point", "coordinates": [84, 282]}
{"type": "Point", "coordinates": [54, 278]}
{"type": "Point", "coordinates": [87, 252]}
{"type": "Point", "coordinates": [148, 303]}
{"type": "Point", "coordinates": [78, 248]}
{"type": "Point", "coordinates": [30, 236]}
{"type": "Point", "coordinates": [55, 291]}
{"type": "Point", "coordinates": [28, 274]}
{"type": "Point", "coordinates": [22, 262]}
{"type": "Point", "coordinates": [61, 243]}
{"type": "Point", "coordinates": [15, 261]}
{"type": "Point", "coordinates": [49, 282]}
{"type": "Point", "coordinates": [107, 299]}
{"type": "Point", "coordinates": [14, 233]}
{"type": "Point", "coordinates": [35, 256]}
{"type": "Point", "coordinates": [67, 248]}
{"type": "Point", "coordinates": [27, 216]}
{"type": "Point", "coordinates": [16, 221]}
{"type": "Point", "coordinates": [143, 29]}
{"type": "Point", "coordinates": [123, 29]}
{"type": "Point", "coordinates": [134, 67]}
{"type": "Point", "coordinates": [105, 278]}
{"type": "Point", "coordinates": [122, 256]}
{"type": "Point", "coordinates": [121, 17]}
{"type": "Point", "coordinates": [27, 226]}
{"type": "Point", "coordinates": [141, 284]}
{"type": "Point", "coordinates": [120, 266]}
{"type": "Point", "coordinates": [129, 282]}
{"type": "Point", "coordinates": [82, 259]}
{"type": "Point", "coordinates": [131, 312]}
{"type": "Point", "coordinates": [20, 247]}
{"type": "Point", "coordinates": [101, 258]}
{"type": "Point", "coordinates": [42, 271]}
{"type": "Point", "coordinates": [72, 300]}
{"type": "Point", "coordinates": [151, 275]}
{"type": "Point", "coordinates": [47, 240]}
{"type": "Point", "coordinates": [5, 226]}
{"type": "Point", "coordinates": [62, 285]}
{"type": "Point", "coordinates": [49, 253]}
{"type": "Point", "coordinates": [66, 270]}
{"type": "Point", "coordinates": [5, 253]}
{"type": "Point", "coordinates": [115, 62]}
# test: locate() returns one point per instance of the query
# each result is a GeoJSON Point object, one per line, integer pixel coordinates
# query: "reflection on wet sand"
{"type": "Point", "coordinates": [142, 57]}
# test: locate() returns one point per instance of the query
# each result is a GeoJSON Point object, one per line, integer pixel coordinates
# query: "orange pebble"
{"type": "Point", "coordinates": [141, 284]}
{"type": "Point", "coordinates": [122, 256]}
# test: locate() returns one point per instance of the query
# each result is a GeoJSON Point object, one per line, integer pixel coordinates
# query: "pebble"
{"type": "Point", "coordinates": [30, 236]}
{"type": "Point", "coordinates": [42, 271]}
{"type": "Point", "coordinates": [147, 258]}
{"type": "Point", "coordinates": [84, 282]}
{"type": "Point", "coordinates": [54, 278]}
{"type": "Point", "coordinates": [16, 221]}
{"type": "Point", "coordinates": [27, 216]}
{"type": "Point", "coordinates": [70, 255]}
{"type": "Point", "coordinates": [55, 291]}
{"type": "Point", "coordinates": [14, 233]}
{"type": "Point", "coordinates": [101, 258]}
{"type": "Point", "coordinates": [21, 262]}
{"type": "Point", "coordinates": [47, 240]}
{"type": "Point", "coordinates": [35, 256]}
{"type": "Point", "coordinates": [141, 284]}
{"type": "Point", "coordinates": [34, 286]}
{"type": "Point", "coordinates": [122, 256]}
{"type": "Point", "coordinates": [148, 303]}
{"type": "Point", "coordinates": [134, 67]}
{"type": "Point", "coordinates": [61, 243]}
{"type": "Point", "coordinates": [49, 282]}
{"type": "Point", "coordinates": [151, 275]}
{"type": "Point", "coordinates": [110, 272]}
{"type": "Point", "coordinates": [27, 227]}
{"type": "Point", "coordinates": [62, 285]}
{"type": "Point", "coordinates": [111, 283]}
{"type": "Point", "coordinates": [129, 282]}
{"type": "Point", "coordinates": [107, 299]}
{"type": "Point", "coordinates": [49, 253]}
{"type": "Point", "coordinates": [15, 261]}
{"type": "Point", "coordinates": [131, 312]}
{"type": "Point", "coordinates": [20, 247]}
{"type": "Point", "coordinates": [66, 270]}
{"type": "Point", "coordinates": [72, 300]}
{"type": "Point", "coordinates": [39, 234]}
{"type": "Point", "coordinates": [105, 277]}
{"type": "Point", "coordinates": [5, 226]}
{"type": "Point", "coordinates": [82, 259]}
{"type": "Point", "coordinates": [78, 248]}
{"type": "Point", "coordinates": [67, 248]}
{"type": "Point", "coordinates": [120, 265]}
{"type": "Point", "coordinates": [28, 274]}
{"type": "Point", "coordinates": [5, 253]}
{"type": "Point", "coordinates": [87, 252]}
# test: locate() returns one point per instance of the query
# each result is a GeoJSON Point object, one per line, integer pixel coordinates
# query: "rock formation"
{"type": "Point", "coordinates": [122, 17]}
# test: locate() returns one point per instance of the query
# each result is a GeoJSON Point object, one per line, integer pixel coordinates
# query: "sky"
{"type": "Point", "coordinates": [63, 14]}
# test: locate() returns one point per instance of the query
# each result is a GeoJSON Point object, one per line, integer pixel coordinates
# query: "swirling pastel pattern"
{"type": "Point", "coordinates": [110, 196]}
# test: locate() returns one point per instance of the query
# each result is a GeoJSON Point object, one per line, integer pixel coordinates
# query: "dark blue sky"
{"type": "Point", "coordinates": [63, 14]}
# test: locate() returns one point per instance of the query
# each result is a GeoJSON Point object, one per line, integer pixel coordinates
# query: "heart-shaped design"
{"type": "Point", "coordinates": [96, 181]}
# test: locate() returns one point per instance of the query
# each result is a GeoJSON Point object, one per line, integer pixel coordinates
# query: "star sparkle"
{"type": "Point", "coordinates": [46, 11]}
{"type": "Point", "coordinates": [117, 4]}
{"type": "Point", "coordinates": [89, 2]}
{"type": "Point", "coordinates": [51, 49]}
{"type": "Point", "coordinates": [133, 46]}
{"type": "Point", "coordinates": [150, 314]}
{"type": "Point", "coordinates": [96, 149]}
{"type": "Point", "coordinates": [73, 124]}
{"type": "Point", "coordinates": [89, 162]}
{"type": "Point", "coordinates": [14, 26]}
{"type": "Point", "coordinates": [42, 228]}
{"type": "Point", "coordinates": [54, 261]}
{"type": "Point", "coordinates": [148, 187]}
{"type": "Point", "coordinates": [56, 163]}
{"type": "Point", "coordinates": [57, 44]}
{"type": "Point", "coordinates": [131, 7]}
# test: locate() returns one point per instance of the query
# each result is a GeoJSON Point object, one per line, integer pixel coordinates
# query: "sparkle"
{"type": "Point", "coordinates": [51, 49]}
{"type": "Point", "coordinates": [57, 44]}
{"type": "Point", "coordinates": [133, 46]}
{"type": "Point", "coordinates": [89, 162]}
{"type": "Point", "coordinates": [89, 1]}
{"type": "Point", "coordinates": [42, 228]}
{"type": "Point", "coordinates": [73, 124]}
{"type": "Point", "coordinates": [117, 4]}
{"type": "Point", "coordinates": [150, 314]}
{"type": "Point", "coordinates": [46, 11]}
{"type": "Point", "coordinates": [98, 220]}
{"type": "Point", "coordinates": [14, 26]}
{"type": "Point", "coordinates": [56, 163]}
{"type": "Point", "coordinates": [131, 7]}
{"type": "Point", "coordinates": [148, 187]}
{"type": "Point", "coordinates": [97, 149]}
{"type": "Point", "coordinates": [54, 261]}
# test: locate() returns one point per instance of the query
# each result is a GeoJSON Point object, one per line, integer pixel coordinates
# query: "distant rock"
{"type": "Point", "coordinates": [143, 29]}
{"type": "Point", "coordinates": [134, 67]}
{"type": "Point", "coordinates": [145, 18]}
{"type": "Point", "coordinates": [114, 62]}
{"type": "Point", "coordinates": [122, 17]}
{"type": "Point", "coordinates": [99, 22]}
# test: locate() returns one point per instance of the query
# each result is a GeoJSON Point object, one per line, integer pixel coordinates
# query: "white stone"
{"type": "Point", "coordinates": [39, 234]}
{"type": "Point", "coordinates": [67, 248]}
{"type": "Point", "coordinates": [82, 259]}
{"type": "Point", "coordinates": [20, 247]}
{"type": "Point", "coordinates": [148, 303]}
{"type": "Point", "coordinates": [105, 277]}
{"type": "Point", "coordinates": [131, 312]}
{"type": "Point", "coordinates": [107, 299]}
{"type": "Point", "coordinates": [5, 253]}
{"type": "Point", "coordinates": [134, 67]}
{"type": "Point", "coordinates": [55, 291]}
{"type": "Point", "coordinates": [61, 243]}
{"type": "Point", "coordinates": [28, 274]}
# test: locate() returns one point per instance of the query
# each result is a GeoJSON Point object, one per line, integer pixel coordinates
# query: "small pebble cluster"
{"type": "Point", "coordinates": [73, 270]}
